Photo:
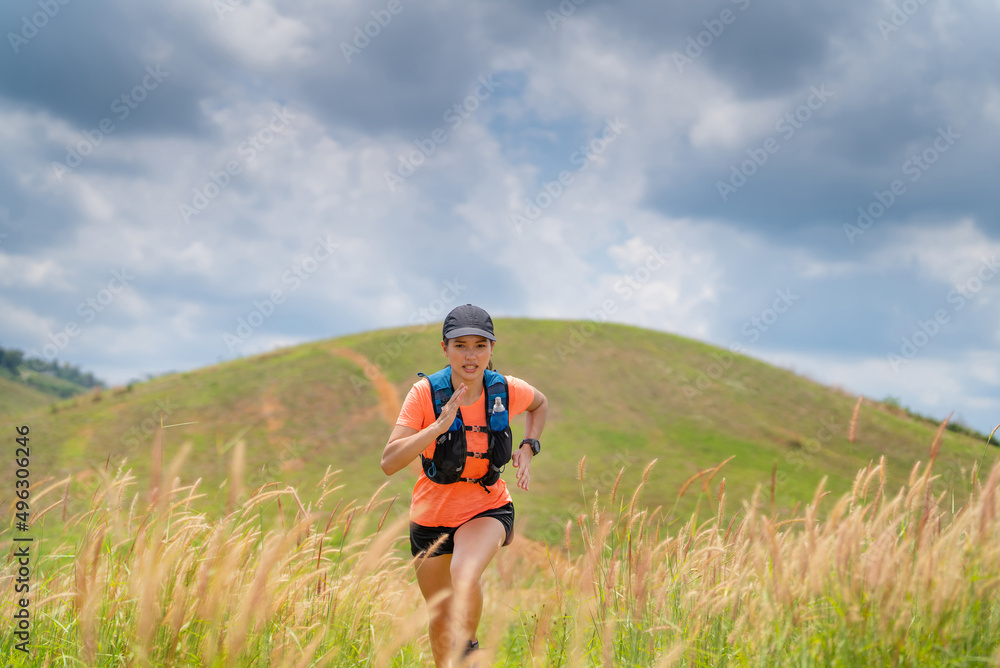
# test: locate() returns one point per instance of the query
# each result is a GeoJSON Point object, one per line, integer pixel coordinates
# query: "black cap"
{"type": "Point", "coordinates": [468, 319]}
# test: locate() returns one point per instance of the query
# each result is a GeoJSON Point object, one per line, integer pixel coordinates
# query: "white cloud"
{"type": "Point", "coordinates": [93, 204]}
{"type": "Point", "coordinates": [319, 177]}
{"type": "Point", "coordinates": [950, 253]}
{"type": "Point", "coordinates": [16, 270]}
{"type": "Point", "coordinates": [933, 386]}
{"type": "Point", "coordinates": [731, 123]}
{"type": "Point", "coordinates": [253, 31]}
{"type": "Point", "coordinates": [24, 323]}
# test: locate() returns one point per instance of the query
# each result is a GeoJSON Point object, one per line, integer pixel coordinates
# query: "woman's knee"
{"type": "Point", "coordinates": [439, 617]}
{"type": "Point", "coordinates": [439, 607]}
{"type": "Point", "coordinates": [465, 578]}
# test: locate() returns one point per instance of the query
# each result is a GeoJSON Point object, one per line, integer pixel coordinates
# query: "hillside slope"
{"type": "Point", "coordinates": [620, 395]}
{"type": "Point", "coordinates": [16, 398]}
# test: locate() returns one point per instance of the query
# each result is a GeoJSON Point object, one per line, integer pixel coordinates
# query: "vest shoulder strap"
{"type": "Point", "coordinates": [494, 386]}
{"type": "Point", "coordinates": [441, 389]}
{"type": "Point", "coordinates": [497, 412]}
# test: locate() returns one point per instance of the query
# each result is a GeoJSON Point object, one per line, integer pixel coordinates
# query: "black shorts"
{"type": "Point", "coordinates": [421, 537]}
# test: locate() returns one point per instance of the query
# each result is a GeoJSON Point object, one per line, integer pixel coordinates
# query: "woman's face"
{"type": "Point", "coordinates": [468, 356]}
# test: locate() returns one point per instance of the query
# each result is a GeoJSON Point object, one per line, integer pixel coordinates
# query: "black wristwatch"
{"type": "Point", "coordinates": [536, 447]}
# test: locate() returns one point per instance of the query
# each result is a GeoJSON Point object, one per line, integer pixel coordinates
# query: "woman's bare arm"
{"type": "Point", "coordinates": [405, 443]}
{"type": "Point", "coordinates": [533, 424]}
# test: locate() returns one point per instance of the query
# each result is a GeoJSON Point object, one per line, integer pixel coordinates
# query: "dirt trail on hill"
{"type": "Point", "coordinates": [388, 400]}
{"type": "Point", "coordinates": [273, 411]}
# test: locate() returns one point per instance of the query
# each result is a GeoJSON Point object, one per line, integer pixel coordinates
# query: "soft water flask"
{"type": "Point", "coordinates": [498, 406]}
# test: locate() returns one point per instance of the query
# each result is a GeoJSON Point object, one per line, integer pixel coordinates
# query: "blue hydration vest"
{"type": "Point", "coordinates": [451, 450]}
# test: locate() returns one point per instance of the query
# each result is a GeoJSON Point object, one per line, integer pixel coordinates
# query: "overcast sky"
{"type": "Point", "coordinates": [812, 183]}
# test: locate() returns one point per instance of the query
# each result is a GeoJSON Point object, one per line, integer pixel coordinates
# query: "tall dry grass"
{"type": "Point", "coordinates": [887, 577]}
{"type": "Point", "coordinates": [155, 582]}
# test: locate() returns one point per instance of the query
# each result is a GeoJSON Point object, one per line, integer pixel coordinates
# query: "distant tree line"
{"type": "Point", "coordinates": [955, 425]}
{"type": "Point", "coordinates": [13, 360]}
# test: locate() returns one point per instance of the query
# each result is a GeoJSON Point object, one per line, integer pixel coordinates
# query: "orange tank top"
{"type": "Point", "coordinates": [436, 505]}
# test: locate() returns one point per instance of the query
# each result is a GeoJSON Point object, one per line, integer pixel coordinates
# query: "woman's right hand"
{"type": "Point", "coordinates": [448, 411]}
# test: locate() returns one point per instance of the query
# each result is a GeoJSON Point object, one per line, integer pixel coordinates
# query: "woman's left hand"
{"type": "Point", "coordinates": [522, 462]}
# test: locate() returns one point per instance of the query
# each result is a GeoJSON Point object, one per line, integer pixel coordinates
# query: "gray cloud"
{"type": "Point", "coordinates": [657, 184]}
{"type": "Point", "coordinates": [88, 55]}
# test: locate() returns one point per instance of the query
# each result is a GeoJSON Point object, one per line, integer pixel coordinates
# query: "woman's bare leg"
{"type": "Point", "coordinates": [434, 578]}
{"type": "Point", "coordinates": [450, 583]}
{"type": "Point", "coordinates": [476, 543]}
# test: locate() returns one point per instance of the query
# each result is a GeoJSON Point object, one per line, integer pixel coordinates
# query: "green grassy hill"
{"type": "Point", "coordinates": [16, 398]}
{"type": "Point", "coordinates": [46, 383]}
{"type": "Point", "coordinates": [620, 395]}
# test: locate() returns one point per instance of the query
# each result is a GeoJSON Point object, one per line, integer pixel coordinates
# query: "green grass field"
{"type": "Point", "coordinates": [617, 395]}
{"type": "Point", "coordinates": [224, 517]}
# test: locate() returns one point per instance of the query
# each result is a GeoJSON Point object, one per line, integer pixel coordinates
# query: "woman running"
{"type": "Point", "coordinates": [457, 421]}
